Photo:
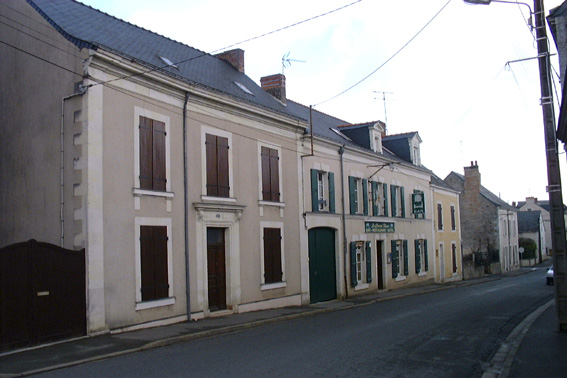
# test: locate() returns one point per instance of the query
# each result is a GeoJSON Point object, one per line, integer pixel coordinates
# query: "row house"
{"type": "Point", "coordinates": [189, 190]}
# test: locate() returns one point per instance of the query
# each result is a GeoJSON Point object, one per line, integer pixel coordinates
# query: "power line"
{"type": "Point", "coordinates": [234, 44]}
{"type": "Point", "coordinates": [389, 59]}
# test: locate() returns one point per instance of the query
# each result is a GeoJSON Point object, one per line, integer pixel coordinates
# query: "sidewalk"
{"type": "Point", "coordinates": [88, 349]}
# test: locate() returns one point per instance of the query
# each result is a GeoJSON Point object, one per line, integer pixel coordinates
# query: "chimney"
{"type": "Point", "coordinates": [234, 57]}
{"type": "Point", "coordinates": [275, 85]}
{"type": "Point", "coordinates": [472, 178]}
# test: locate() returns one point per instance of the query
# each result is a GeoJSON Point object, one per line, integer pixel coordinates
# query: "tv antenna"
{"type": "Point", "coordinates": [286, 61]}
{"type": "Point", "coordinates": [384, 99]}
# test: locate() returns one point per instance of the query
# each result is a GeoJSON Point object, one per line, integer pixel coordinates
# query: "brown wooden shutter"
{"type": "Point", "coordinates": [222, 151]}
{"type": "Point", "coordinates": [211, 151]}
{"type": "Point", "coordinates": [158, 172]}
{"type": "Point", "coordinates": [146, 151]}
{"type": "Point", "coordinates": [272, 255]}
{"type": "Point", "coordinates": [266, 179]}
{"type": "Point", "coordinates": [153, 250]}
{"type": "Point", "coordinates": [274, 176]}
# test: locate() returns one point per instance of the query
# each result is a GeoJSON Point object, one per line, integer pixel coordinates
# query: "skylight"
{"type": "Point", "coordinates": [241, 86]}
{"type": "Point", "coordinates": [167, 61]}
{"type": "Point", "coordinates": [336, 131]}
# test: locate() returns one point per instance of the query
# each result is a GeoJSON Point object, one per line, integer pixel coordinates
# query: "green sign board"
{"type": "Point", "coordinates": [418, 203]}
{"type": "Point", "coordinates": [379, 227]}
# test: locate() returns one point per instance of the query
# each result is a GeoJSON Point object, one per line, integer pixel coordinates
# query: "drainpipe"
{"type": "Point", "coordinates": [186, 208]}
{"type": "Point", "coordinates": [81, 90]}
{"type": "Point", "coordinates": [345, 247]}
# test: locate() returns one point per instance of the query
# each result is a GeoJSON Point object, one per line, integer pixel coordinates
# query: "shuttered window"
{"type": "Point", "coordinates": [153, 248]}
{"type": "Point", "coordinates": [421, 258]}
{"type": "Point", "coordinates": [454, 256]}
{"type": "Point", "coordinates": [270, 174]}
{"type": "Point", "coordinates": [439, 217]}
{"type": "Point", "coordinates": [322, 191]}
{"type": "Point", "coordinates": [273, 271]}
{"type": "Point", "coordinates": [358, 195]}
{"type": "Point", "coordinates": [217, 166]}
{"type": "Point", "coordinates": [152, 155]}
{"type": "Point", "coordinates": [453, 219]}
{"type": "Point", "coordinates": [400, 264]}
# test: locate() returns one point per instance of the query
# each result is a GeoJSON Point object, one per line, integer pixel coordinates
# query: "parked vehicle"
{"type": "Point", "coordinates": [549, 276]}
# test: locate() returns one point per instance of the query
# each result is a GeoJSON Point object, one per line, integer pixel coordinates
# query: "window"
{"type": "Point", "coordinates": [454, 256]}
{"type": "Point", "coordinates": [439, 217]}
{"type": "Point", "coordinates": [273, 268]}
{"type": "Point", "coordinates": [398, 201]}
{"type": "Point", "coordinates": [400, 267]}
{"type": "Point", "coordinates": [453, 219]}
{"type": "Point", "coordinates": [153, 255]}
{"type": "Point", "coordinates": [421, 258]}
{"type": "Point", "coordinates": [270, 174]}
{"type": "Point", "coordinates": [379, 195]}
{"type": "Point", "coordinates": [358, 195]}
{"type": "Point", "coordinates": [152, 143]}
{"type": "Point", "coordinates": [217, 166]}
{"type": "Point", "coordinates": [322, 191]}
{"type": "Point", "coordinates": [360, 263]}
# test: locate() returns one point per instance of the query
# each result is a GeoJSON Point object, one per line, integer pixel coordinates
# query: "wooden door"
{"type": "Point", "coordinates": [216, 268]}
{"type": "Point", "coordinates": [322, 267]}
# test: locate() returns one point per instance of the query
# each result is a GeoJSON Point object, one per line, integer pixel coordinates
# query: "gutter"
{"type": "Point", "coordinates": [186, 207]}
{"type": "Point", "coordinates": [345, 246]}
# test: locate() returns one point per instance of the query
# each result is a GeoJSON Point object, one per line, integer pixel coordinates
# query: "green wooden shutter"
{"type": "Point", "coordinates": [374, 188]}
{"type": "Point", "coordinates": [368, 262]}
{"type": "Point", "coordinates": [314, 190]}
{"type": "Point", "coordinates": [353, 279]}
{"type": "Point", "coordinates": [403, 202]}
{"type": "Point", "coordinates": [394, 259]}
{"type": "Point", "coordinates": [406, 266]}
{"type": "Point", "coordinates": [394, 195]}
{"type": "Point", "coordinates": [417, 257]}
{"type": "Point", "coordinates": [365, 195]}
{"type": "Point", "coordinates": [422, 216]}
{"type": "Point", "coordinates": [425, 255]}
{"type": "Point", "coordinates": [352, 194]}
{"type": "Point", "coordinates": [331, 192]}
{"type": "Point", "coordinates": [385, 194]}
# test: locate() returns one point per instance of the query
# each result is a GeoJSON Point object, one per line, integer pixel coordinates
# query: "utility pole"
{"type": "Point", "coordinates": [553, 174]}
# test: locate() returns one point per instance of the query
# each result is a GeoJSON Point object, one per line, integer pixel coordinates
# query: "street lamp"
{"type": "Point", "coordinates": [553, 175]}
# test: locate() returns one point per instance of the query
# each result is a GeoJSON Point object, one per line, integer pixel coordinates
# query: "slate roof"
{"type": "Point", "coordinates": [87, 27]}
{"type": "Point", "coordinates": [543, 204]}
{"type": "Point", "coordinates": [528, 221]}
{"type": "Point", "coordinates": [487, 194]}
{"type": "Point", "coordinates": [438, 181]}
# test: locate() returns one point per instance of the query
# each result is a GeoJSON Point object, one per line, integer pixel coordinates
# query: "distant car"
{"type": "Point", "coordinates": [549, 276]}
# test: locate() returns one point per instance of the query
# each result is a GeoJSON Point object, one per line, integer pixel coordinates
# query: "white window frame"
{"type": "Point", "coordinates": [422, 271]}
{"type": "Point", "coordinates": [143, 221]}
{"type": "Point", "coordinates": [225, 134]}
{"type": "Point", "coordinates": [275, 285]}
{"type": "Point", "coordinates": [400, 257]}
{"type": "Point", "coordinates": [138, 111]}
{"type": "Point", "coordinates": [322, 191]}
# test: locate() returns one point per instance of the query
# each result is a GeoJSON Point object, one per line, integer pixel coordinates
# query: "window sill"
{"type": "Point", "coordinates": [361, 286]}
{"type": "Point", "coordinates": [270, 203]}
{"type": "Point", "coordinates": [157, 303]}
{"type": "Point", "coordinates": [218, 199]}
{"type": "Point", "coordinates": [421, 274]}
{"type": "Point", "coordinates": [275, 285]}
{"type": "Point", "coordinates": [142, 192]}
{"type": "Point", "coordinates": [400, 278]}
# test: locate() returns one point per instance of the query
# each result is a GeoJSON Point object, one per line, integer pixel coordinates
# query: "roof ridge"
{"type": "Point", "coordinates": [318, 111]}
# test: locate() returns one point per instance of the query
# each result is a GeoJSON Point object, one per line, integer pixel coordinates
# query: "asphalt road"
{"type": "Point", "coordinates": [448, 333]}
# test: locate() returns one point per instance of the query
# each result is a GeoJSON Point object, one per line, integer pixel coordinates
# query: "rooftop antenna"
{"type": "Point", "coordinates": [384, 99]}
{"type": "Point", "coordinates": [286, 61]}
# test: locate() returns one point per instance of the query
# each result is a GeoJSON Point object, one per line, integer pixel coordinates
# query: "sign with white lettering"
{"type": "Point", "coordinates": [379, 227]}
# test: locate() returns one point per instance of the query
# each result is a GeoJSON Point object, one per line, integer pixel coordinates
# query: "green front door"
{"type": "Point", "coordinates": [322, 270]}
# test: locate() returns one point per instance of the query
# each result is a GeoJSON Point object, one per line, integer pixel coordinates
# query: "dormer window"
{"type": "Point", "coordinates": [416, 155]}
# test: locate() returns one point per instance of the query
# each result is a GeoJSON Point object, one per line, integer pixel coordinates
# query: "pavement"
{"type": "Point", "coordinates": [533, 349]}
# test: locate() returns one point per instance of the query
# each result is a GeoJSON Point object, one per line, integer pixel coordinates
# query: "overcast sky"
{"type": "Point", "coordinates": [450, 83]}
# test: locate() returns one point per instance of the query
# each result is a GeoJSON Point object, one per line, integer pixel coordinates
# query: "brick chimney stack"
{"type": "Point", "coordinates": [472, 179]}
{"type": "Point", "coordinates": [234, 57]}
{"type": "Point", "coordinates": [275, 85]}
